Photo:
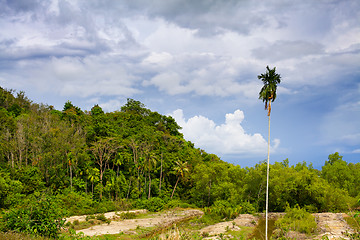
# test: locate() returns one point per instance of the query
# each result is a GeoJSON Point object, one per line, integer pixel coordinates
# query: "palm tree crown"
{"type": "Point", "coordinates": [268, 91]}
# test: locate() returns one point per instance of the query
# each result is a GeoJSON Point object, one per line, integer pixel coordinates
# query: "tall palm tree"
{"type": "Point", "coordinates": [268, 95]}
{"type": "Point", "coordinates": [181, 169]}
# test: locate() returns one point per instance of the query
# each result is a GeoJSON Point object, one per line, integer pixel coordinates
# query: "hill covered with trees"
{"type": "Point", "coordinates": [91, 161]}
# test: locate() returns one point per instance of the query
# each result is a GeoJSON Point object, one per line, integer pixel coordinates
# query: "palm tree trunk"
{"type": "Point", "coordinates": [267, 179]}
{"type": "Point", "coordinates": [175, 187]}
{"type": "Point", "coordinates": [127, 196]}
{"type": "Point", "coordinates": [70, 178]}
{"type": "Point", "coordinates": [160, 173]}
{"type": "Point", "coordinates": [149, 186]}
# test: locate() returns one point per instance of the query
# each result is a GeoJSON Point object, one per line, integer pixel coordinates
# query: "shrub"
{"type": "Point", "coordinates": [297, 219]}
{"type": "Point", "coordinates": [105, 206]}
{"type": "Point", "coordinates": [101, 217]}
{"type": "Point", "coordinates": [178, 203]}
{"type": "Point", "coordinates": [88, 217]}
{"type": "Point", "coordinates": [75, 203]}
{"type": "Point", "coordinates": [247, 207]}
{"type": "Point", "coordinates": [43, 217]}
{"type": "Point", "coordinates": [127, 215]}
{"type": "Point", "coordinates": [154, 204]}
{"type": "Point", "coordinates": [223, 209]}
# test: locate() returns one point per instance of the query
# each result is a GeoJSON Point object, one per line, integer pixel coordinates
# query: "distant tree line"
{"type": "Point", "coordinates": [85, 158]}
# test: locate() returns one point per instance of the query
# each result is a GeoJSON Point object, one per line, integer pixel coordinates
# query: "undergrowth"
{"type": "Point", "coordinates": [296, 219]}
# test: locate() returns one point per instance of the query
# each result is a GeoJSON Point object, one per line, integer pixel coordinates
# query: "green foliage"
{"type": "Point", "coordinates": [76, 203]}
{"type": "Point", "coordinates": [20, 236]}
{"type": "Point", "coordinates": [270, 80]}
{"type": "Point", "coordinates": [127, 215]}
{"type": "Point", "coordinates": [341, 174]}
{"type": "Point", "coordinates": [223, 210]}
{"type": "Point", "coordinates": [297, 219]}
{"type": "Point", "coordinates": [154, 204]}
{"type": "Point", "coordinates": [94, 162]}
{"type": "Point", "coordinates": [43, 217]}
{"type": "Point", "coordinates": [101, 217]}
{"type": "Point", "coordinates": [10, 191]}
{"type": "Point", "coordinates": [178, 203]}
{"type": "Point", "coordinates": [31, 178]}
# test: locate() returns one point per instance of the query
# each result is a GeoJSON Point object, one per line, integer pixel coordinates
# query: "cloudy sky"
{"type": "Point", "coordinates": [198, 61]}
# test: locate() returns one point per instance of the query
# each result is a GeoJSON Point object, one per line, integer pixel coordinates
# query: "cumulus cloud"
{"type": "Point", "coordinates": [202, 74]}
{"type": "Point", "coordinates": [227, 138]}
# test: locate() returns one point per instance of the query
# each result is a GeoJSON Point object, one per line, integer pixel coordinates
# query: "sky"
{"type": "Point", "coordinates": [198, 61]}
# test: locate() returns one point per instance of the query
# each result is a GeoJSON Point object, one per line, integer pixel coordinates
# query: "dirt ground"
{"type": "Point", "coordinates": [331, 225]}
{"type": "Point", "coordinates": [128, 226]}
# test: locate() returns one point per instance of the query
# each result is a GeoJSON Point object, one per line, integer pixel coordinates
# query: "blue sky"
{"type": "Point", "coordinates": [198, 61]}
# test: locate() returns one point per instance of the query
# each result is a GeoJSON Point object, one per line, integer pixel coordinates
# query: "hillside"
{"type": "Point", "coordinates": [84, 162]}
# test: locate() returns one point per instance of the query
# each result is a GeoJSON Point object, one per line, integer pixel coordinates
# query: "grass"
{"type": "Point", "coordinates": [353, 220]}
{"type": "Point", "coordinates": [19, 236]}
{"type": "Point", "coordinates": [243, 233]}
{"type": "Point", "coordinates": [259, 231]}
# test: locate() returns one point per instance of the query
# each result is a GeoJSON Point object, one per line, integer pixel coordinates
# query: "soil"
{"type": "Point", "coordinates": [128, 226]}
{"type": "Point", "coordinates": [331, 225]}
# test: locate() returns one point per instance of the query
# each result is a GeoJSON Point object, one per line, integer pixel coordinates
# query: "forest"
{"type": "Point", "coordinates": [72, 162]}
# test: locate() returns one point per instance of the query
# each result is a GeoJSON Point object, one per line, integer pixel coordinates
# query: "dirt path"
{"type": "Point", "coordinates": [331, 225]}
{"type": "Point", "coordinates": [129, 225]}
{"type": "Point", "coordinates": [246, 220]}
{"type": "Point", "coordinates": [109, 215]}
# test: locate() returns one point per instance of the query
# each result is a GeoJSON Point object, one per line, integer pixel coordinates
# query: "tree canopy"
{"type": "Point", "coordinates": [89, 161]}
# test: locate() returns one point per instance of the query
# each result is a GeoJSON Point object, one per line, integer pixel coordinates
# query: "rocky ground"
{"type": "Point", "coordinates": [331, 225]}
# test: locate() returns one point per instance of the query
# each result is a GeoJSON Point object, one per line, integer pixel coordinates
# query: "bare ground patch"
{"type": "Point", "coordinates": [330, 225]}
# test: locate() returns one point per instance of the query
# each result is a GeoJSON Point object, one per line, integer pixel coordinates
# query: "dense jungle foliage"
{"type": "Point", "coordinates": [59, 163]}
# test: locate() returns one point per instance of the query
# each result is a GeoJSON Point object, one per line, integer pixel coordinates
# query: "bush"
{"type": "Point", "coordinates": [101, 217]}
{"type": "Point", "coordinates": [127, 215]}
{"type": "Point", "coordinates": [89, 217]}
{"type": "Point", "coordinates": [154, 204]}
{"type": "Point", "coordinates": [43, 217]}
{"type": "Point", "coordinates": [223, 209]}
{"type": "Point", "coordinates": [247, 207]}
{"type": "Point", "coordinates": [297, 219]}
{"type": "Point", "coordinates": [105, 206]}
{"type": "Point", "coordinates": [178, 203]}
{"type": "Point", "coordinates": [75, 203]}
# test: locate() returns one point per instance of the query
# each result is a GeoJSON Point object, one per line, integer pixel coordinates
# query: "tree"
{"type": "Point", "coordinates": [93, 175]}
{"type": "Point", "coordinates": [103, 150]}
{"type": "Point", "coordinates": [150, 162]}
{"type": "Point", "coordinates": [43, 217]}
{"type": "Point", "coordinates": [181, 169]}
{"type": "Point", "coordinates": [267, 94]}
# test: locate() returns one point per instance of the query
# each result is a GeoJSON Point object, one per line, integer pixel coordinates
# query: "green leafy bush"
{"type": "Point", "coordinates": [247, 207]}
{"type": "Point", "coordinates": [76, 203]}
{"type": "Point", "coordinates": [223, 209]}
{"type": "Point", "coordinates": [154, 204]}
{"type": "Point", "coordinates": [43, 217]}
{"type": "Point", "coordinates": [178, 203]}
{"type": "Point", "coordinates": [127, 215]}
{"type": "Point", "coordinates": [101, 217]}
{"type": "Point", "coordinates": [297, 219]}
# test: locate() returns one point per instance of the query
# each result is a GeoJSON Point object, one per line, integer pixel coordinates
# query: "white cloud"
{"type": "Point", "coordinates": [203, 74]}
{"type": "Point", "coordinates": [356, 151]}
{"type": "Point", "coordinates": [226, 138]}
